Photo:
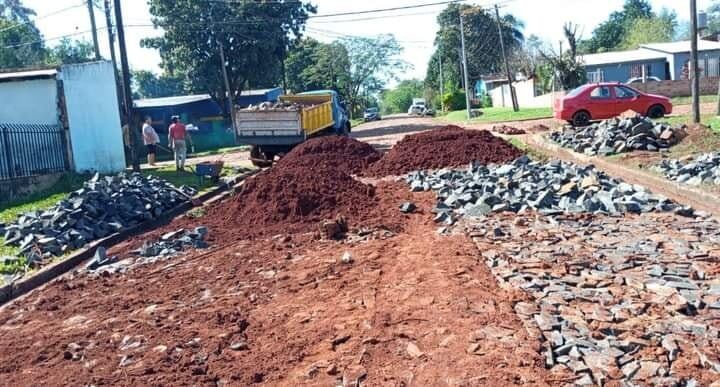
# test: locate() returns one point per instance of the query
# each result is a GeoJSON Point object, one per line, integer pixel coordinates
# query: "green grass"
{"type": "Point", "coordinates": [500, 114]}
{"type": "Point", "coordinates": [43, 199]}
{"type": "Point", "coordinates": [531, 152]}
{"type": "Point", "coordinates": [686, 119]}
{"type": "Point", "coordinates": [187, 178]}
{"type": "Point", "coordinates": [220, 151]}
{"type": "Point", "coordinates": [356, 122]}
{"type": "Point", "coordinates": [688, 100]}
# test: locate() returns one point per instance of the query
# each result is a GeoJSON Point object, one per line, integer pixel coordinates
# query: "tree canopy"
{"type": "Point", "coordinates": [635, 24]}
{"type": "Point", "coordinates": [147, 84]}
{"type": "Point", "coordinates": [312, 65]}
{"type": "Point", "coordinates": [482, 42]}
{"type": "Point", "coordinates": [399, 99]}
{"type": "Point", "coordinates": [254, 35]}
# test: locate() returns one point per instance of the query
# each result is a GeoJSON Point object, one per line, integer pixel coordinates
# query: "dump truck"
{"type": "Point", "coordinates": [274, 131]}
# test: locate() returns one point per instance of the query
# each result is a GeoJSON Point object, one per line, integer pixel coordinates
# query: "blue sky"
{"type": "Point", "coordinates": [414, 28]}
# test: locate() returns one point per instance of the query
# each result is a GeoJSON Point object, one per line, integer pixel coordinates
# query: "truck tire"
{"type": "Point", "coordinates": [259, 158]}
{"type": "Point", "coordinates": [348, 128]}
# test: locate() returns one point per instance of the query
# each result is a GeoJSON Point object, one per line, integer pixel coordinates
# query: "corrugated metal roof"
{"type": "Point", "coordinates": [620, 57]}
{"type": "Point", "coordinates": [257, 92]}
{"type": "Point", "coordinates": [170, 101]}
{"type": "Point", "coordinates": [682, 46]}
{"type": "Point", "coordinates": [25, 75]}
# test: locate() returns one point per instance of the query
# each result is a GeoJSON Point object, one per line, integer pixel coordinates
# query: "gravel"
{"type": "Point", "coordinates": [703, 169]}
{"type": "Point", "coordinates": [550, 188]}
{"type": "Point", "coordinates": [105, 205]}
{"type": "Point", "coordinates": [616, 135]}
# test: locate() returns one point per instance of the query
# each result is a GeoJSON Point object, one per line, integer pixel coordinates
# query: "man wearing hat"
{"type": "Point", "coordinates": [177, 137]}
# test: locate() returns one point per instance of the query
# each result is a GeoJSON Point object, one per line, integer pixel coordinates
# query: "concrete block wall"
{"type": "Point", "coordinates": [678, 88]}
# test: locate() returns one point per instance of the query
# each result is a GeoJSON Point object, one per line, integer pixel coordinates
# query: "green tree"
{"type": "Point", "coordinates": [372, 62]}
{"type": "Point", "coordinates": [481, 40]}
{"type": "Point", "coordinates": [656, 29]}
{"type": "Point", "coordinates": [255, 49]}
{"type": "Point", "coordinates": [569, 71]}
{"type": "Point", "coordinates": [399, 99]}
{"type": "Point", "coordinates": [21, 44]}
{"type": "Point", "coordinates": [312, 65]}
{"type": "Point", "coordinates": [147, 84]}
{"type": "Point", "coordinates": [610, 34]}
{"type": "Point", "coordinates": [70, 51]}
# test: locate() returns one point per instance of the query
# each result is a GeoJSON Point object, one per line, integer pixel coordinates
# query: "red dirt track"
{"type": "Point", "coordinates": [270, 303]}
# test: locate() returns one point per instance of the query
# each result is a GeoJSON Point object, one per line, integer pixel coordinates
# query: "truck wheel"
{"type": "Point", "coordinates": [656, 111]}
{"type": "Point", "coordinates": [348, 128]}
{"type": "Point", "coordinates": [581, 118]}
{"type": "Point", "coordinates": [260, 159]}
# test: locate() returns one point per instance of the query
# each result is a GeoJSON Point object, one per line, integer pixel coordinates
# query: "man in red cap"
{"type": "Point", "coordinates": [177, 138]}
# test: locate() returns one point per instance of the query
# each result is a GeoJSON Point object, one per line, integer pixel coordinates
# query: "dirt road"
{"type": "Point", "coordinates": [407, 308]}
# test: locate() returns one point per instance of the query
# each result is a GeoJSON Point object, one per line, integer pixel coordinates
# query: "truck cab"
{"type": "Point", "coordinates": [273, 130]}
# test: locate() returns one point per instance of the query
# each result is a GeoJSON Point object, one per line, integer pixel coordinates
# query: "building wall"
{"type": "Point", "coordinates": [678, 88]}
{"type": "Point", "coordinates": [93, 117]}
{"type": "Point", "coordinates": [29, 102]}
{"type": "Point", "coordinates": [679, 60]}
{"type": "Point", "coordinates": [621, 72]}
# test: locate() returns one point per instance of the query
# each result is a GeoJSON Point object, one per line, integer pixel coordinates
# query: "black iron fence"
{"type": "Point", "coordinates": [32, 150]}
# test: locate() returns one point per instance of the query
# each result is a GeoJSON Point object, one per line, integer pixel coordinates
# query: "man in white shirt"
{"type": "Point", "coordinates": [150, 139]}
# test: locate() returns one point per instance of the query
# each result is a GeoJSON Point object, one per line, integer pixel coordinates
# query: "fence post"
{"type": "Point", "coordinates": [65, 148]}
{"type": "Point", "coordinates": [8, 151]}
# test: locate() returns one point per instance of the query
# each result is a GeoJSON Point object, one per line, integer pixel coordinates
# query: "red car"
{"type": "Point", "coordinates": [599, 101]}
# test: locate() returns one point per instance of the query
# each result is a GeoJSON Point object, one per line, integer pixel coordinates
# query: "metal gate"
{"type": "Point", "coordinates": [32, 150]}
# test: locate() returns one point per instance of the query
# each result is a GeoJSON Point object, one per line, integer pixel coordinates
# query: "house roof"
{"type": "Point", "coordinates": [681, 46]}
{"type": "Point", "coordinates": [28, 75]}
{"type": "Point", "coordinates": [170, 101]}
{"type": "Point", "coordinates": [621, 57]}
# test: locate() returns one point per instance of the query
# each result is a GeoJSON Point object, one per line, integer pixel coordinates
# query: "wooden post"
{"type": "Point", "coordinates": [694, 70]}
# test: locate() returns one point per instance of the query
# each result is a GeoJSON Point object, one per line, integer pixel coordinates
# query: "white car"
{"type": "Point", "coordinates": [640, 80]}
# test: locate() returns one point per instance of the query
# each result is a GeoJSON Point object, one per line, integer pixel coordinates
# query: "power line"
{"type": "Point", "coordinates": [43, 17]}
{"type": "Point", "coordinates": [386, 9]}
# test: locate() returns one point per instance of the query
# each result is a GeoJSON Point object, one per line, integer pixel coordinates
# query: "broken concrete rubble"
{"type": "Point", "coordinates": [551, 188]}
{"type": "Point", "coordinates": [105, 205]}
{"type": "Point", "coordinates": [612, 304]}
{"type": "Point", "coordinates": [703, 169]}
{"type": "Point", "coordinates": [618, 136]}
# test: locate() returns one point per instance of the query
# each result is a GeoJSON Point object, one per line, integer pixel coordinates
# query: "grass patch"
{"type": "Point", "coordinates": [356, 122]}
{"type": "Point", "coordinates": [531, 152]}
{"type": "Point", "coordinates": [43, 199]}
{"type": "Point", "coordinates": [688, 100]}
{"type": "Point", "coordinates": [187, 178]}
{"type": "Point", "coordinates": [221, 151]}
{"type": "Point", "coordinates": [500, 114]}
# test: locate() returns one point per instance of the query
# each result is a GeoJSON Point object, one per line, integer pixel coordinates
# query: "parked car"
{"type": "Point", "coordinates": [417, 107]}
{"type": "Point", "coordinates": [372, 114]}
{"type": "Point", "coordinates": [429, 112]}
{"type": "Point", "coordinates": [640, 80]}
{"type": "Point", "coordinates": [599, 101]}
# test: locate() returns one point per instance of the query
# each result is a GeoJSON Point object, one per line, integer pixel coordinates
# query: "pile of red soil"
{"type": "Point", "coordinates": [450, 146]}
{"type": "Point", "coordinates": [331, 152]}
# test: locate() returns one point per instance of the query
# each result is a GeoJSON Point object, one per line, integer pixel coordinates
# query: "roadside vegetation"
{"type": "Point", "coordinates": [500, 114]}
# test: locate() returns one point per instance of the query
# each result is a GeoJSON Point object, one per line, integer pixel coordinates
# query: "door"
{"type": "Point", "coordinates": [626, 99]}
{"type": "Point", "coordinates": [601, 103]}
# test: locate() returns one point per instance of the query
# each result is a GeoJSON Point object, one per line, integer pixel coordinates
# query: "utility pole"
{"type": "Point", "coordinates": [507, 64]}
{"type": "Point", "coordinates": [94, 29]}
{"type": "Point", "coordinates": [111, 42]}
{"type": "Point", "coordinates": [442, 86]}
{"type": "Point", "coordinates": [465, 69]}
{"type": "Point", "coordinates": [227, 89]}
{"type": "Point", "coordinates": [694, 71]}
{"type": "Point", "coordinates": [127, 92]}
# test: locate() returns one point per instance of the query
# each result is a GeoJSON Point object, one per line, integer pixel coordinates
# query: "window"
{"type": "Point", "coordinates": [596, 76]}
{"type": "Point", "coordinates": [623, 92]}
{"type": "Point", "coordinates": [577, 90]}
{"type": "Point", "coordinates": [600, 92]}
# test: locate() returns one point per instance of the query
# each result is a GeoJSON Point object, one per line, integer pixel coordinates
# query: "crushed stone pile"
{"type": "Point", "coordinates": [331, 152]}
{"type": "Point", "coordinates": [509, 130]}
{"type": "Point", "coordinates": [450, 146]}
{"type": "Point", "coordinates": [703, 169]}
{"type": "Point", "coordinates": [105, 205]}
{"type": "Point", "coordinates": [550, 188]}
{"type": "Point", "coordinates": [617, 135]}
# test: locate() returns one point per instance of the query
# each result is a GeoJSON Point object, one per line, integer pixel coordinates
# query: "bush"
{"type": "Point", "coordinates": [486, 101]}
{"type": "Point", "coordinates": [454, 101]}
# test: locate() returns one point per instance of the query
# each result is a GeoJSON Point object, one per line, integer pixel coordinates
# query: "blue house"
{"type": "Point", "coordinates": [666, 61]}
{"type": "Point", "coordinates": [204, 117]}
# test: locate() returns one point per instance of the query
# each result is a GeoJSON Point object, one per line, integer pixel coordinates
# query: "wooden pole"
{"type": "Point", "coordinates": [127, 92]}
{"type": "Point", "coordinates": [694, 70]}
{"type": "Point", "coordinates": [94, 29]}
{"type": "Point", "coordinates": [516, 107]}
{"type": "Point", "coordinates": [464, 65]}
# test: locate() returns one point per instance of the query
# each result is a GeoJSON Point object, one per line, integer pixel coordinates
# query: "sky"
{"type": "Point", "coordinates": [414, 28]}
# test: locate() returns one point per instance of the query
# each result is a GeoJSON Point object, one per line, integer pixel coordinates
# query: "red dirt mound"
{"type": "Point", "coordinates": [450, 146]}
{"type": "Point", "coordinates": [333, 152]}
{"type": "Point", "coordinates": [293, 195]}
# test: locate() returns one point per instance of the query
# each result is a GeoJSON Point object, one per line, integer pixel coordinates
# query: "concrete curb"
{"type": "Point", "coordinates": [698, 199]}
{"type": "Point", "coordinates": [14, 290]}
